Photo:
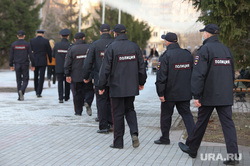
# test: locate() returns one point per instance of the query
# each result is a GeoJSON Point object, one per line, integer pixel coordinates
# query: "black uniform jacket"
{"type": "Point", "coordinates": [95, 57]}
{"type": "Point", "coordinates": [75, 59]}
{"type": "Point", "coordinates": [59, 53]}
{"type": "Point", "coordinates": [123, 64]}
{"type": "Point", "coordinates": [173, 79]}
{"type": "Point", "coordinates": [41, 47]}
{"type": "Point", "coordinates": [213, 74]}
{"type": "Point", "coordinates": [20, 52]}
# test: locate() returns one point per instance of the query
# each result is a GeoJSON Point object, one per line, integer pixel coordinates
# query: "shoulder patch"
{"type": "Point", "coordinates": [196, 60]}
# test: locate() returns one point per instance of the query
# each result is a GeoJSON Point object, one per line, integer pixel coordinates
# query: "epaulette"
{"type": "Point", "coordinates": [108, 44]}
{"type": "Point", "coordinates": [187, 50]}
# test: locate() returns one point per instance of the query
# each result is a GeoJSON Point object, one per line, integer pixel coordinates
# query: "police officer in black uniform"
{"type": "Point", "coordinates": [212, 87]}
{"type": "Point", "coordinates": [123, 66]}
{"type": "Point", "coordinates": [20, 57]}
{"type": "Point", "coordinates": [40, 48]}
{"type": "Point", "coordinates": [173, 84]}
{"type": "Point", "coordinates": [94, 59]}
{"type": "Point", "coordinates": [74, 74]}
{"type": "Point", "coordinates": [59, 53]}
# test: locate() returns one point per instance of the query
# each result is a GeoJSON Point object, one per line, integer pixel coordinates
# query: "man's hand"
{"type": "Point", "coordinates": [101, 92]}
{"type": "Point", "coordinates": [197, 103]}
{"type": "Point", "coordinates": [86, 81]}
{"type": "Point", "coordinates": [162, 99]}
{"type": "Point", "coordinates": [141, 87]}
{"type": "Point", "coordinates": [12, 68]}
{"type": "Point", "coordinates": [32, 68]}
{"type": "Point", "coordinates": [68, 79]}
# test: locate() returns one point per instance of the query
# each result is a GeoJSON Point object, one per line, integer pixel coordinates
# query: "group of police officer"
{"type": "Point", "coordinates": [118, 70]}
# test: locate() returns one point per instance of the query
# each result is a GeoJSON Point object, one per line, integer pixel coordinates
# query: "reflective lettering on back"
{"type": "Point", "coordinates": [101, 53]}
{"type": "Point", "coordinates": [20, 47]}
{"type": "Point", "coordinates": [81, 56]}
{"type": "Point", "coordinates": [122, 58]}
{"type": "Point", "coordinates": [62, 51]}
{"type": "Point", "coordinates": [182, 66]}
{"type": "Point", "coordinates": [222, 62]}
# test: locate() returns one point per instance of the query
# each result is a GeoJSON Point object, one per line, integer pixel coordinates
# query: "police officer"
{"type": "Point", "coordinates": [59, 52]}
{"type": "Point", "coordinates": [212, 87]}
{"type": "Point", "coordinates": [40, 47]}
{"type": "Point", "coordinates": [94, 59]}
{"type": "Point", "coordinates": [123, 66]}
{"type": "Point", "coordinates": [173, 84]}
{"type": "Point", "coordinates": [73, 70]}
{"type": "Point", "coordinates": [20, 57]}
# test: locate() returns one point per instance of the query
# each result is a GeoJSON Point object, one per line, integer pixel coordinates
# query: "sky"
{"type": "Point", "coordinates": [173, 15]}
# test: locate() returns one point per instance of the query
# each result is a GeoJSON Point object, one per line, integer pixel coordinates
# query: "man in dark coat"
{"type": "Point", "coordinates": [123, 66]}
{"type": "Point", "coordinates": [173, 84]}
{"type": "Point", "coordinates": [59, 53]}
{"type": "Point", "coordinates": [40, 48]}
{"type": "Point", "coordinates": [212, 87]}
{"type": "Point", "coordinates": [94, 60]}
{"type": "Point", "coordinates": [20, 57]}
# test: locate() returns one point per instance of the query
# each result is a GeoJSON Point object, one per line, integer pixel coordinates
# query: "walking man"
{"type": "Point", "coordinates": [59, 53]}
{"type": "Point", "coordinates": [123, 67]}
{"type": "Point", "coordinates": [173, 84]}
{"type": "Point", "coordinates": [212, 87]}
{"type": "Point", "coordinates": [40, 48]}
{"type": "Point", "coordinates": [94, 60]}
{"type": "Point", "coordinates": [20, 57]}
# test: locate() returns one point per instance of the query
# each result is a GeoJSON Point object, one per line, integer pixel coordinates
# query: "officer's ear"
{"type": "Point", "coordinates": [100, 32]}
{"type": "Point", "coordinates": [83, 38]}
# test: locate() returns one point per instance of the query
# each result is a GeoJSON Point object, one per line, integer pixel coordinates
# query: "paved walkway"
{"type": "Point", "coordinates": [40, 131]}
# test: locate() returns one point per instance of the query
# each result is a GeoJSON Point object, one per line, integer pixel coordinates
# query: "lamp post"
{"type": "Point", "coordinates": [103, 11]}
{"type": "Point", "coordinates": [80, 16]}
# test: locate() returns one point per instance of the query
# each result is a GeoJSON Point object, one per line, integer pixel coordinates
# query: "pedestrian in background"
{"type": "Point", "coordinates": [20, 58]}
{"type": "Point", "coordinates": [40, 48]}
{"type": "Point", "coordinates": [59, 53]}
{"type": "Point", "coordinates": [51, 66]}
{"type": "Point", "coordinates": [173, 84]}
{"type": "Point", "coordinates": [212, 88]}
{"type": "Point", "coordinates": [123, 68]}
{"type": "Point", "coordinates": [94, 60]}
{"type": "Point", "coordinates": [74, 74]}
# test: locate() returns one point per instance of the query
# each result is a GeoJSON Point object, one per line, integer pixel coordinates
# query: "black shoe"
{"type": "Point", "coordinates": [103, 131]}
{"type": "Point", "coordinates": [186, 149]}
{"type": "Point", "coordinates": [135, 141]}
{"type": "Point", "coordinates": [38, 95]}
{"type": "Point", "coordinates": [20, 95]}
{"type": "Point", "coordinates": [78, 114]}
{"type": "Point", "coordinates": [111, 128]}
{"type": "Point", "coordinates": [112, 146]}
{"type": "Point", "coordinates": [66, 99]}
{"type": "Point", "coordinates": [160, 142]}
{"type": "Point", "coordinates": [88, 109]}
{"type": "Point", "coordinates": [231, 162]}
{"type": "Point", "coordinates": [97, 119]}
{"type": "Point", "coordinates": [60, 101]}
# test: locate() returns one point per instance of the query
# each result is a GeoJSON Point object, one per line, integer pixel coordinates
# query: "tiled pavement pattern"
{"type": "Point", "coordinates": [44, 132]}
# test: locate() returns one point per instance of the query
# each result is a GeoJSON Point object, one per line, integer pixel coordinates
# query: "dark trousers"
{"type": "Point", "coordinates": [39, 78]}
{"type": "Point", "coordinates": [103, 109]}
{"type": "Point", "coordinates": [63, 89]}
{"type": "Point", "coordinates": [89, 93]}
{"type": "Point", "coordinates": [225, 116]}
{"type": "Point", "coordinates": [51, 72]}
{"type": "Point", "coordinates": [22, 76]}
{"type": "Point", "coordinates": [82, 93]}
{"type": "Point", "coordinates": [167, 109]}
{"type": "Point", "coordinates": [123, 106]}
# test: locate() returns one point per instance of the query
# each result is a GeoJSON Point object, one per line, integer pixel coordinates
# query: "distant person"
{"type": "Point", "coordinates": [59, 53]}
{"type": "Point", "coordinates": [173, 84]}
{"type": "Point", "coordinates": [40, 48]}
{"type": "Point", "coordinates": [194, 53]}
{"type": "Point", "coordinates": [20, 58]}
{"type": "Point", "coordinates": [212, 87]}
{"type": "Point", "coordinates": [94, 60]}
{"type": "Point", "coordinates": [153, 53]}
{"type": "Point", "coordinates": [124, 71]}
{"type": "Point", "coordinates": [73, 70]}
{"type": "Point", "coordinates": [51, 66]}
